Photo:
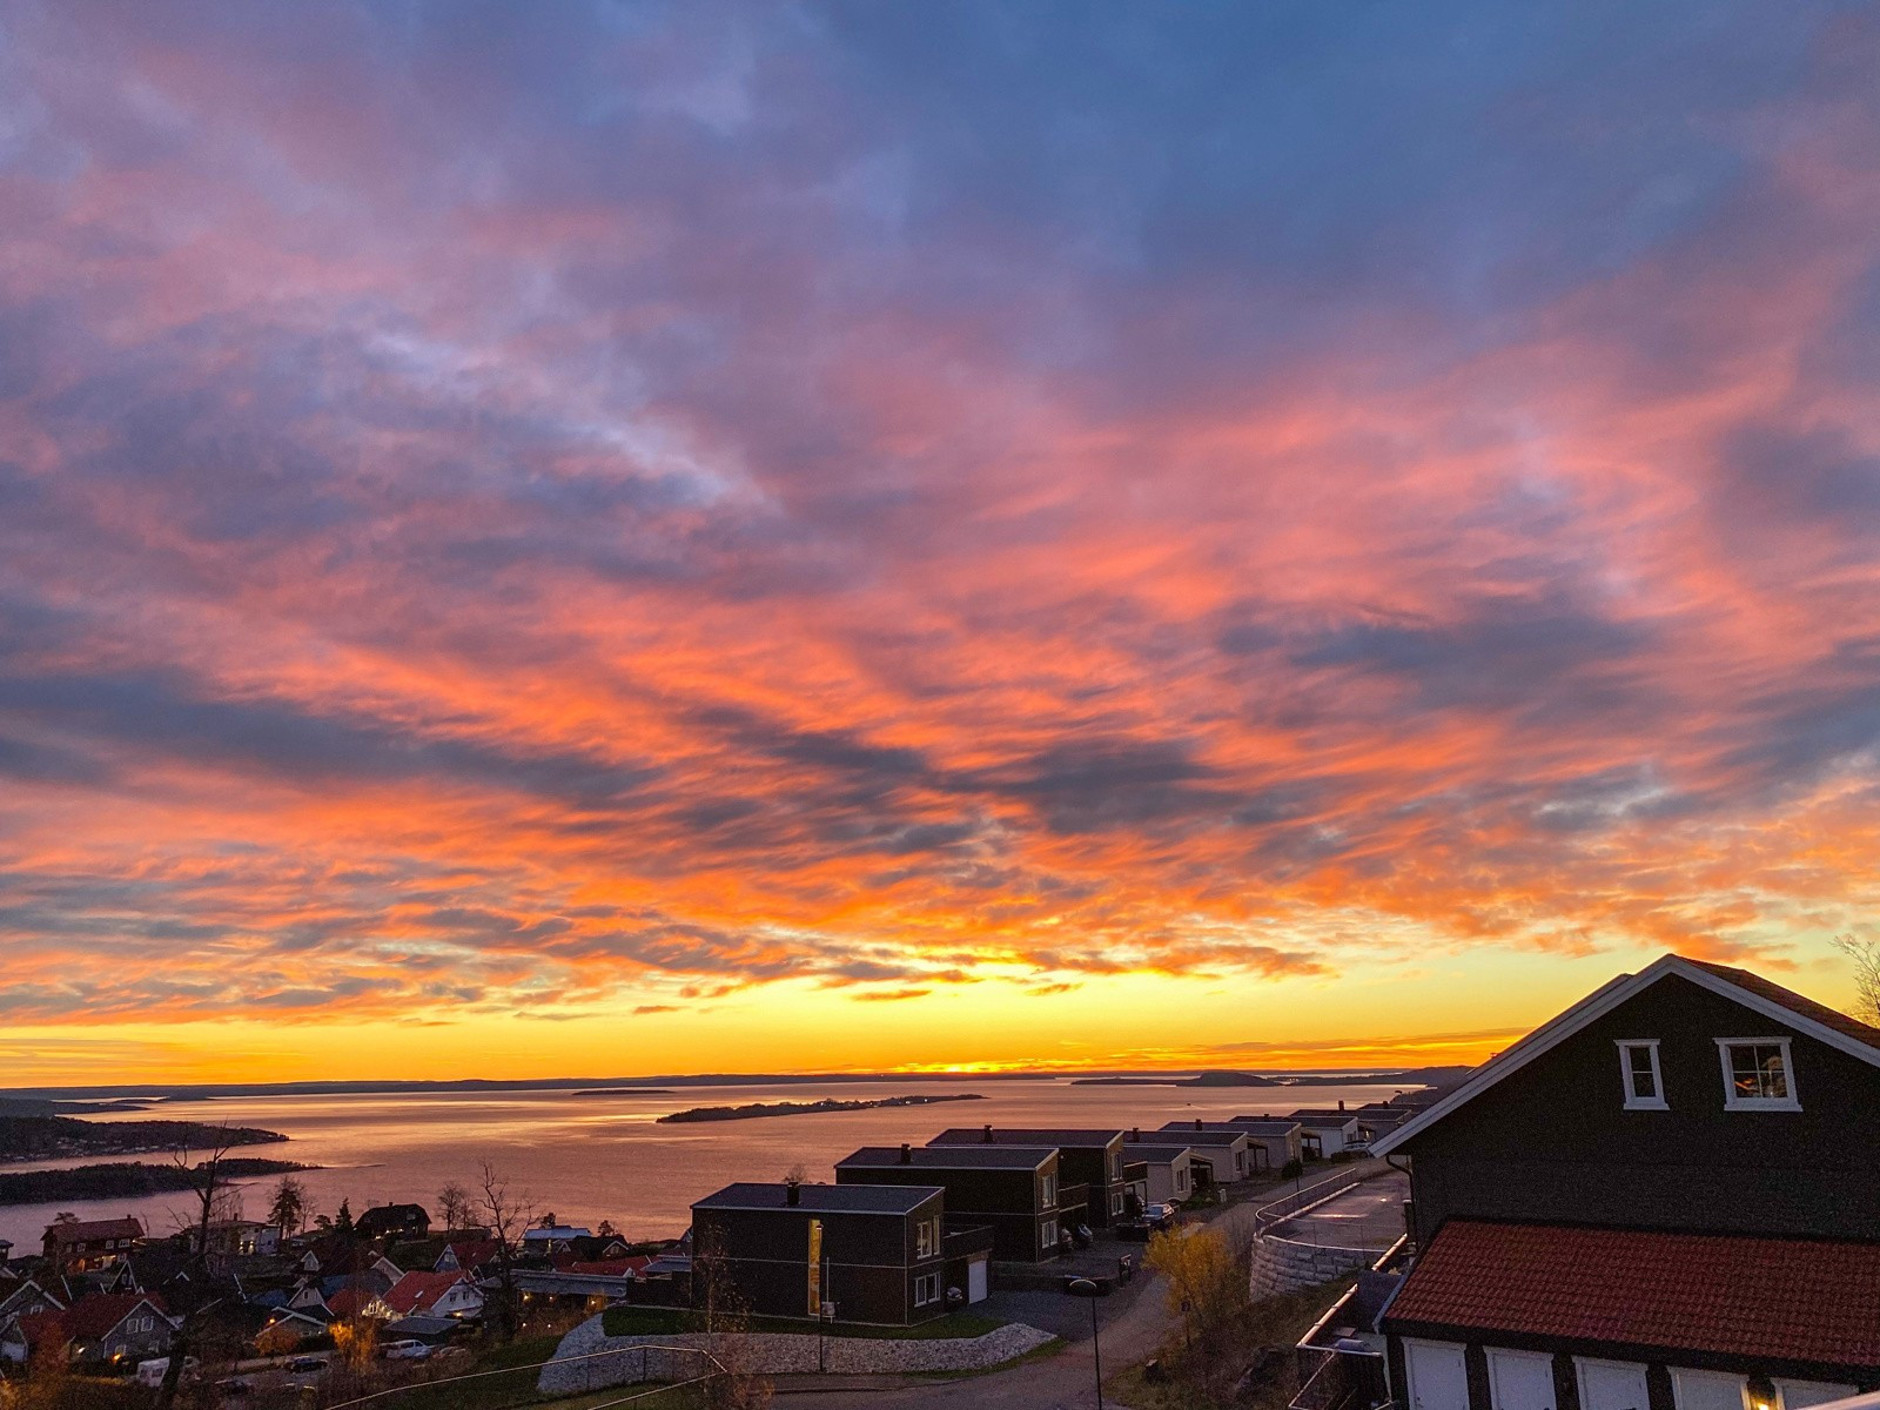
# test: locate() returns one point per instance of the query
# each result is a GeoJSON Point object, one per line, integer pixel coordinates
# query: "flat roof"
{"type": "Point", "coordinates": [1141, 1150]}
{"type": "Point", "coordinates": [1059, 1136]}
{"type": "Point", "coordinates": [1263, 1125]}
{"type": "Point", "coordinates": [831, 1199]}
{"type": "Point", "coordinates": [1206, 1136]}
{"type": "Point", "coordinates": [980, 1157]}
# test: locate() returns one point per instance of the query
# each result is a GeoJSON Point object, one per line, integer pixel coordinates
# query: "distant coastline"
{"type": "Point", "coordinates": [827, 1104]}
{"type": "Point", "coordinates": [623, 1092]}
{"type": "Point", "coordinates": [58, 1137]}
{"type": "Point", "coordinates": [127, 1180]}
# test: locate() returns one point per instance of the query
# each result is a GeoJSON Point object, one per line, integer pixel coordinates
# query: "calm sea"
{"type": "Point", "coordinates": [586, 1159]}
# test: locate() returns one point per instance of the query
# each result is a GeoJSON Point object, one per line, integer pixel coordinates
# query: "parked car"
{"type": "Point", "coordinates": [405, 1351]}
{"type": "Point", "coordinates": [233, 1386]}
{"type": "Point", "coordinates": [307, 1366]}
{"type": "Point", "coordinates": [151, 1373]}
{"type": "Point", "coordinates": [1160, 1216]}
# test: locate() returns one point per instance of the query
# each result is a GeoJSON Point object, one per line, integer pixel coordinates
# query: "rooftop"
{"type": "Point", "coordinates": [1264, 1125]}
{"type": "Point", "coordinates": [1060, 1136]}
{"type": "Point", "coordinates": [1210, 1134]}
{"type": "Point", "coordinates": [85, 1230]}
{"type": "Point", "coordinates": [1790, 1300]}
{"type": "Point", "coordinates": [837, 1199]}
{"type": "Point", "coordinates": [974, 1157]}
{"type": "Point", "coordinates": [1146, 1151]}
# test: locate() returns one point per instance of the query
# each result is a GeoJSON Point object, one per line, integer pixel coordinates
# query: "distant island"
{"type": "Point", "coordinates": [623, 1092]}
{"type": "Point", "coordinates": [126, 1180]}
{"type": "Point", "coordinates": [58, 1137]}
{"type": "Point", "coordinates": [827, 1104]}
{"type": "Point", "coordinates": [1409, 1077]}
{"type": "Point", "coordinates": [1205, 1079]}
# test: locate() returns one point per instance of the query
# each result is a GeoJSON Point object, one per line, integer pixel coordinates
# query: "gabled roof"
{"type": "Point", "coordinates": [950, 1157]}
{"type": "Point", "coordinates": [419, 1292]}
{"type": "Point", "coordinates": [93, 1317]}
{"type": "Point", "coordinates": [89, 1230]}
{"type": "Point", "coordinates": [1771, 1000]}
{"type": "Point", "coordinates": [1804, 1300]}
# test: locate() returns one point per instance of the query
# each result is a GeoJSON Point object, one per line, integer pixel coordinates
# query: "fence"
{"type": "Point", "coordinates": [1267, 1215]}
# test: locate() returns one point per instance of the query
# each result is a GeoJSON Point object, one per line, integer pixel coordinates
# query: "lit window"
{"type": "Point", "coordinates": [1050, 1191]}
{"type": "Point", "coordinates": [1758, 1074]}
{"type": "Point", "coordinates": [1638, 1067]}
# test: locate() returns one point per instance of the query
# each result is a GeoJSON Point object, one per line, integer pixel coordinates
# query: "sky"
{"type": "Point", "coordinates": [609, 538]}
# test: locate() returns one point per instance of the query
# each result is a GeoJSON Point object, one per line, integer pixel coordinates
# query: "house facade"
{"type": "Point", "coordinates": [1224, 1148]}
{"type": "Point", "coordinates": [870, 1254]}
{"type": "Point", "coordinates": [1159, 1173]}
{"type": "Point", "coordinates": [1276, 1140]}
{"type": "Point", "coordinates": [81, 1245]}
{"type": "Point", "coordinates": [1013, 1190]}
{"type": "Point", "coordinates": [1092, 1158]}
{"type": "Point", "coordinates": [1664, 1199]}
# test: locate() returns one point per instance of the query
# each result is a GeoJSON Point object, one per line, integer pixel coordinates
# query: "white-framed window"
{"type": "Point", "coordinates": [1758, 1074]}
{"type": "Point", "coordinates": [927, 1238]}
{"type": "Point", "coordinates": [1050, 1192]}
{"type": "Point", "coordinates": [1181, 1178]}
{"type": "Point", "coordinates": [1116, 1204]}
{"type": "Point", "coordinates": [926, 1289]}
{"type": "Point", "coordinates": [1049, 1231]}
{"type": "Point", "coordinates": [1639, 1071]}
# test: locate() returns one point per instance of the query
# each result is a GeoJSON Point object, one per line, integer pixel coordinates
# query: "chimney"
{"type": "Point", "coordinates": [791, 1194]}
{"type": "Point", "coordinates": [1197, 1123]}
{"type": "Point", "coordinates": [988, 1133]}
{"type": "Point", "coordinates": [1135, 1133]}
{"type": "Point", "coordinates": [907, 1154]}
{"type": "Point", "coordinates": [1341, 1103]}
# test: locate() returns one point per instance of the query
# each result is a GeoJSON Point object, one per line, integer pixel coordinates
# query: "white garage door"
{"type": "Point", "coordinates": [1520, 1380]}
{"type": "Point", "coordinates": [1799, 1395]}
{"type": "Point", "coordinates": [976, 1280]}
{"type": "Point", "coordinates": [1708, 1390]}
{"type": "Point", "coordinates": [1438, 1378]}
{"type": "Point", "coordinates": [1612, 1385]}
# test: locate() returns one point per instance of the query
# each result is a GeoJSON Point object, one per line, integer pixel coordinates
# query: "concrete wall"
{"type": "Point", "coordinates": [590, 1359]}
{"type": "Point", "coordinates": [1283, 1266]}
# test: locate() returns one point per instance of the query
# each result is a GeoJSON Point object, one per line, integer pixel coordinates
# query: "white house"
{"type": "Point", "coordinates": [1158, 1174]}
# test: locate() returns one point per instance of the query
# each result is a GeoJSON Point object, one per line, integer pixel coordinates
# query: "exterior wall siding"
{"type": "Point", "coordinates": [1554, 1142]}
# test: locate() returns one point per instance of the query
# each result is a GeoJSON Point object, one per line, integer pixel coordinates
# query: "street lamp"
{"type": "Point", "coordinates": [1085, 1287]}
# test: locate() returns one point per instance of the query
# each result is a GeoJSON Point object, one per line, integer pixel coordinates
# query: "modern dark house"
{"type": "Point", "coordinates": [80, 1245]}
{"type": "Point", "coordinates": [1013, 1190]}
{"type": "Point", "coordinates": [1091, 1157]}
{"type": "Point", "coordinates": [394, 1221]}
{"type": "Point", "coordinates": [875, 1252]}
{"type": "Point", "coordinates": [1666, 1198]}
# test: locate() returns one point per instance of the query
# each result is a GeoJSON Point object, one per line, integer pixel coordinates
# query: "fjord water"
{"type": "Point", "coordinates": [591, 1158]}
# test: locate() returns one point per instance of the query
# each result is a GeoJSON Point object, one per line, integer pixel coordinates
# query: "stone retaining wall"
{"type": "Point", "coordinates": [1283, 1266]}
{"type": "Point", "coordinates": [589, 1359]}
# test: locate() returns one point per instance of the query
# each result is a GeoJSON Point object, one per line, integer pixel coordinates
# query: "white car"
{"type": "Point", "coordinates": [404, 1351]}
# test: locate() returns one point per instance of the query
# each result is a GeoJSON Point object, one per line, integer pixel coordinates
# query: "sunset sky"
{"type": "Point", "coordinates": [592, 539]}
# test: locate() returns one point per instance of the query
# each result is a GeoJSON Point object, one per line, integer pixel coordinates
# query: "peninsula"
{"type": "Point", "coordinates": [827, 1104]}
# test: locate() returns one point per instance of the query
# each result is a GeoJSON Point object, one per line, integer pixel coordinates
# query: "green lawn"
{"type": "Point", "coordinates": [658, 1321]}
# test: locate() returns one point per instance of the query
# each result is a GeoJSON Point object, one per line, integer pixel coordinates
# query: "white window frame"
{"type": "Point", "coordinates": [926, 1289]}
{"type": "Point", "coordinates": [1117, 1201]}
{"type": "Point", "coordinates": [923, 1239]}
{"type": "Point", "coordinates": [1048, 1231]}
{"type": "Point", "coordinates": [1636, 1103]}
{"type": "Point", "coordinates": [1050, 1191]}
{"type": "Point", "coordinates": [1499, 1356]}
{"type": "Point", "coordinates": [1732, 1102]}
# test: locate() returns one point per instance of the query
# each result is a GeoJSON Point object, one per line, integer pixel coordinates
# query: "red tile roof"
{"type": "Point", "coordinates": [1794, 1002]}
{"type": "Point", "coordinates": [87, 1231]}
{"type": "Point", "coordinates": [417, 1292]}
{"type": "Point", "coordinates": [1777, 1299]}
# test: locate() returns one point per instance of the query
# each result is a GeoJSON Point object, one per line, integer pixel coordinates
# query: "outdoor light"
{"type": "Point", "coordinates": [1085, 1287]}
{"type": "Point", "coordinates": [1762, 1393]}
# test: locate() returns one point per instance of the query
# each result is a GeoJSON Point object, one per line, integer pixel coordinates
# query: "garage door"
{"type": "Point", "coordinates": [976, 1280]}
{"type": "Point", "coordinates": [1520, 1380]}
{"type": "Point", "coordinates": [1799, 1395]}
{"type": "Point", "coordinates": [1708, 1390]}
{"type": "Point", "coordinates": [1438, 1378]}
{"type": "Point", "coordinates": [1612, 1385]}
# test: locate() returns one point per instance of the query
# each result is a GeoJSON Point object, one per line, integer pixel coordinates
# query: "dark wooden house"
{"type": "Point", "coordinates": [873, 1252]}
{"type": "Point", "coordinates": [393, 1221]}
{"type": "Point", "coordinates": [1087, 1157]}
{"type": "Point", "coordinates": [1013, 1190]}
{"type": "Point", "coordinates": [1666, 1198]}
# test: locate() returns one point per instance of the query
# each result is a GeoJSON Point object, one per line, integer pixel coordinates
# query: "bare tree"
{"type": "Point", "coordinates": [453, 1206]}
{"type": "Point", "coordinates": [1865, 955]}
{"type": "Point", "coordinates": [208, 1185]}
{"type": "Point", "coordinates": [507, 1218]}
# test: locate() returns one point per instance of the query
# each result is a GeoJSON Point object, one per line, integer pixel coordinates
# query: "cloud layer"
{"type": "Point", "coordinates": [508, 510]}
